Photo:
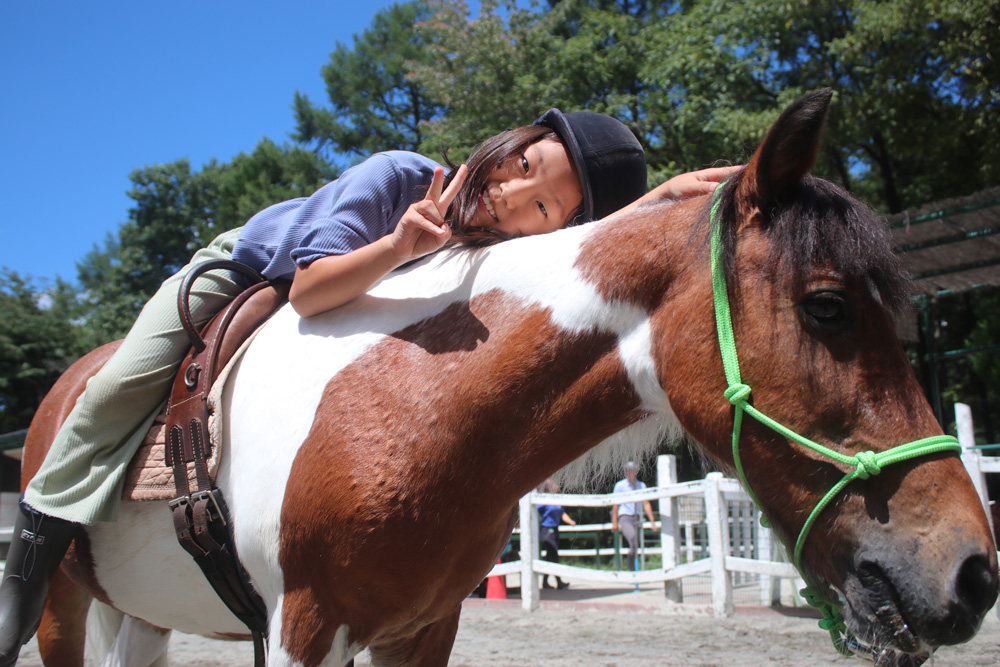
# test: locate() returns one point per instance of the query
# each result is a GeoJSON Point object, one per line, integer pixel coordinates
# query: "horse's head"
{"type": "Point", "coordinates": [812, 282]}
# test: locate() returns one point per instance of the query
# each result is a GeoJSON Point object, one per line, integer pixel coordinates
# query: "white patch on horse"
{"type": "Point", "coordinates": [139, 564]}
{"type": "Point", "coordinates": [341, 651]}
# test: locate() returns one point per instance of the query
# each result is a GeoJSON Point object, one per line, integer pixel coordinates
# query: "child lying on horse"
{"type": "Point", "coordinates": [566, 168]}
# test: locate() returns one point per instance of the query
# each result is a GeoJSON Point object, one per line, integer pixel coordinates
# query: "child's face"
{"type": "Point", "coordinates": [533, 193]}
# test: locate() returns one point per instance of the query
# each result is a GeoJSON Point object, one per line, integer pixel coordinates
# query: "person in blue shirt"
{"type": "Point", "coordinates": [628, 516]}
{"type": "Point", "coordinates": [549, 517]}
{"type": "Point", "coordinates": [566, 168]}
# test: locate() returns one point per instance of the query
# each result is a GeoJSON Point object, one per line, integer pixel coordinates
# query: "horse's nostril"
{"type": "Point", "coordinates": [976, 585]}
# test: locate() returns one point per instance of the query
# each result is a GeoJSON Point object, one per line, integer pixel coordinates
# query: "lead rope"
{"type": "Point", "coordinates": [866, 464]}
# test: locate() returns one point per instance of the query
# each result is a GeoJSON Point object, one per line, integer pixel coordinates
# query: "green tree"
{"type": "Point", "coordinates": [701, 81]}
{"type": "Point", "coordinates": [976, 379]}
{"type": "Point", "coordinates": [172, 204]}
{"type": "Point", "coordinates": [490, 74]}
{"type": "Point", "coordinates": [39, 337]}
{"type": "Point", "coordinates": [374, 105]}
{"type": "Point", "coordinates": [902, 70]}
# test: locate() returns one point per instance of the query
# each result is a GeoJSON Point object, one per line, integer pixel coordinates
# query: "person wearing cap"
{"type": "Point", "coordinates": [396, 206]}
{"type": "Point", "coordinates": [628, 516]}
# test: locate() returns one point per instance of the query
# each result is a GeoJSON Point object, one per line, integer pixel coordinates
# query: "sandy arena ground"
{"type": "Point", "coordinates": [608, 628]}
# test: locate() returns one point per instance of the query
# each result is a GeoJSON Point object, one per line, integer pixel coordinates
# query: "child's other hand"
{"type": "Point", "coordinates": [693, 183]}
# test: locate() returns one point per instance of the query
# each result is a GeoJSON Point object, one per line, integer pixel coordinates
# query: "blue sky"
{"type": "Point", "coordinates": [94, 90]}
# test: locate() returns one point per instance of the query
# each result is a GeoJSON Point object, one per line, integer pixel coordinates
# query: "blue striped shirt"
{"type": "Point", "coordinates": [364, 204]}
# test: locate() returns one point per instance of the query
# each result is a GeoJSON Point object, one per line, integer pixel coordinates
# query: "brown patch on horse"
{"type": "Point", "coordinates": [429, 647]}
{"type": "Point", "coordinates": [63, 631]}
{"type": "Point", "coordinates": [78, 563]}
{"type": "Point", "coordinates": [230, 636]}
{"type": "Point", "coordinates": [624, 258]}
{"type": "Point", "coordinates": [56, 406]}
{"type": "Point", "coordinates": [378, 467]}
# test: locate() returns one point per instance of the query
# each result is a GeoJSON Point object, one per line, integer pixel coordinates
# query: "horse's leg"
{"type": "Point", "coordinates": [138, 644]}
{"type": "Point", "coordinates": [430, 647]}
{"type": "Point", "coordinates": [63, 631]}
{"type": "Point", "coordinates": [103, 624]}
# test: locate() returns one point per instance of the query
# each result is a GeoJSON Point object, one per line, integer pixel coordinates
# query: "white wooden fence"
{"type": "Point", "coordinates": [978, 465]}
{"type": "Point", "coordinates": [736, 544]}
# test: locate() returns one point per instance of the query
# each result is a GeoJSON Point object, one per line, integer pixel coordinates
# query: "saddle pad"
{"type": "Point", "coordinates": [148, 476]}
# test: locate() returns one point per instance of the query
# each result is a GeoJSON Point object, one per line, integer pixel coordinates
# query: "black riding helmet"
{"type": "Point", "coordinates": [607, 156]}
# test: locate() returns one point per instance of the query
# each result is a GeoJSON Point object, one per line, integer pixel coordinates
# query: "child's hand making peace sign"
{"type": "Point", "coordinates": [334, 280]}
{"type": "Point", "coordinates": [422, 229]}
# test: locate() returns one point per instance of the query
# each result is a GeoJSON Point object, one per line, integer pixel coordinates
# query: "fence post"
{"type": "Point", "coordinates": [529, 552]}
{"type": "Point", "coordinates": [670, 527]}
{"type": "Point", "coordinates": [718, 546]}
{"type": "Point", "coordinates": [970, 455]}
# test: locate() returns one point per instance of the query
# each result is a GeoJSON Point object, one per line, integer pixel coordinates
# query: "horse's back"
{"type": "Point", "coordinates": [57, 405]}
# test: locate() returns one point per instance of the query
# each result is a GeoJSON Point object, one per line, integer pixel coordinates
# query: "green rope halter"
{"type": "Point", "coordinates": [866, 464]}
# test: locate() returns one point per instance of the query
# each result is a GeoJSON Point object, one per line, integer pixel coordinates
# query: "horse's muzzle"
{"type": "Point", "coordinates": [894, 610]}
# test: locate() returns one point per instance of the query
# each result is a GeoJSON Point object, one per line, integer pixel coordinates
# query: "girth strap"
{"type": "Point", "coordinates": [200, 514]}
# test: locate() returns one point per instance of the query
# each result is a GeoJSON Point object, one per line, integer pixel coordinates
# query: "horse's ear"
{"type": "Point", "coordinates": [787, 153]}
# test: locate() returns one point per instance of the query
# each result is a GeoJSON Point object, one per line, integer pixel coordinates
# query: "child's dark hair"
{"type": "Point", "coordinates": [488, 156]}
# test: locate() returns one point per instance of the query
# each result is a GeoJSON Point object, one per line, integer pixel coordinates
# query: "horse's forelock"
{"type": "Point", "coordinates": [823, 224]}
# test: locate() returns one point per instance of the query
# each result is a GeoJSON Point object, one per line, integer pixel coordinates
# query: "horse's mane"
{"type": "Point", "coordinates": [820, 223]}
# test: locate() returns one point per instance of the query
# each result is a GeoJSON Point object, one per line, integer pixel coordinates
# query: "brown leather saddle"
{"type": "Point", "coordinates": [200, 514]}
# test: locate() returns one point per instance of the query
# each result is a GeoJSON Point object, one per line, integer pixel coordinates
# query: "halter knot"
{"type": "Point", "coordinates": [737, 393]}
{"type": "Point", "coordinates": [867, 465]}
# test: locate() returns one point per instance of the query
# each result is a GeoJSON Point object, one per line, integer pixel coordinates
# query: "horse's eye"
{"type": "Point", "coordinates": [826, 308]}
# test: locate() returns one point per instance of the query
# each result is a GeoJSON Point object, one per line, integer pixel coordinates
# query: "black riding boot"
{"type": "Point", "coordinates": [36, 549]}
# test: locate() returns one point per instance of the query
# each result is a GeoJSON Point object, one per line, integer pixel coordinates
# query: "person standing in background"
{"type": "Point", "coordinates": [628, 516]}
{"type": "Point", "coordinates": [549, 517]}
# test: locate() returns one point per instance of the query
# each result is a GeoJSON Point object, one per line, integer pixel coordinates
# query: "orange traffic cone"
{"type": "Point", "coordinates": [496, 587]}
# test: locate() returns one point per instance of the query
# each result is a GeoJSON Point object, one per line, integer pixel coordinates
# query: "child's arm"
{"type": "Point", "coordinates": [332, 281]}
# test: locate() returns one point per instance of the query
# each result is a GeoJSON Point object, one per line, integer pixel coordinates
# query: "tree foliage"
{"type": "Point", "coordinates": [40, 335]}
{"type": "Point", "coordinates": [699, 81]}
{"type": "Point", "coordinates": [374, 106]}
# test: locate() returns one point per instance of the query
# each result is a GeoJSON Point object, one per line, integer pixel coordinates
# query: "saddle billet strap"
{"type": "Point", "coordinates": [206, 535]}
{"type": "Point", "coordinates": [181, 504]}
{"type": "Point", "coordinates": [199, 440]}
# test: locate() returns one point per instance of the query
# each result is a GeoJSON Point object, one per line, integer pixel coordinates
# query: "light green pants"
{"type": "Point", "coordinates": [82, 476]}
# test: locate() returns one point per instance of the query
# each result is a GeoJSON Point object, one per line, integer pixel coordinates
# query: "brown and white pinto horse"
{"type": "Point", "coordinates": [374, 455]}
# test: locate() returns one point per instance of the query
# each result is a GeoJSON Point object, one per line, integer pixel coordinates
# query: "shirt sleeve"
{"type": "Point", "coordinates": [368, 197]}
{"type": "Point", "coordinates": [364, 204]}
